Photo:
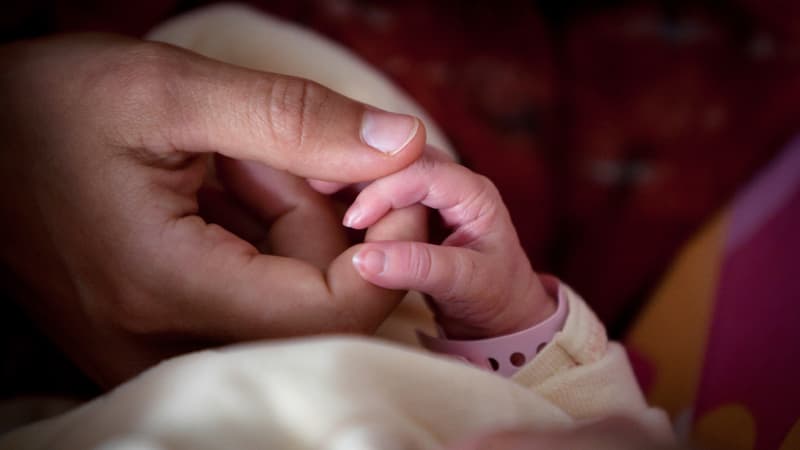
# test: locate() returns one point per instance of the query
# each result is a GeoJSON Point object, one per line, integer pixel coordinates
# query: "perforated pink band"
{"type": "Point", "coordinates": [506, 354]}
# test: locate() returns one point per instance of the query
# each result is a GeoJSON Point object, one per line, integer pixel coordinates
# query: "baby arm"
{"type": "Point", "coordinates": [483, 289]}
{"type": "Point", "coordinates": [479, 279]}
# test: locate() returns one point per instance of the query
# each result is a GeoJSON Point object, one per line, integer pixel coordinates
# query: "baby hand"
{"type": "Point", "coordinates": [479, 279]}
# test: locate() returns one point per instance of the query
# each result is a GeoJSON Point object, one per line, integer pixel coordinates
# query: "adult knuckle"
{"type": "Point", "coordinates": [291, 107]}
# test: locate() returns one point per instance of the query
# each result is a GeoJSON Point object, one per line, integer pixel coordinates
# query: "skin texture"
{"type": "Point", "coordinates": [128, 245]}
{"type": "Point", "coordinates": [479, 279]}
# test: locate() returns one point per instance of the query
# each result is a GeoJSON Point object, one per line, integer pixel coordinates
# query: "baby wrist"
{"type": "Point", "coordinates": [506, 354]}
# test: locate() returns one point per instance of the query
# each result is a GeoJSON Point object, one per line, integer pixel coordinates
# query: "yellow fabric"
{"type": "Point", "coordinates": [736, 420]}
{"type": "Point", "coordinates": [671, 331]}
{"type": "Point", "coordinates": [792, 441]}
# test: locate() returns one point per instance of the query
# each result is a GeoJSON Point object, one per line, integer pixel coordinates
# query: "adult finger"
{"type": "Point", "coordinates": [176, 101]}
{"type": "Point", "coordinates": [407, 224]}
{"type": "Point", "coordinates": [236, 293]}
{"type": "Point", "coordinates": [302, 222]}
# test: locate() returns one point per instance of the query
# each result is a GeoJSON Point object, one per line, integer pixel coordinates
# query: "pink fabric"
{"type": "Point", "coordinates": [752, 353]}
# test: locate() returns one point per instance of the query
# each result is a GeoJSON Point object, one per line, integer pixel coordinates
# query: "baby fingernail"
{"type": "Point", "coordinates": [371, 262]}
{"type": "Point", "coordinates": [352, 217]}
{"type": "Point", "coordinates": [387, 132]}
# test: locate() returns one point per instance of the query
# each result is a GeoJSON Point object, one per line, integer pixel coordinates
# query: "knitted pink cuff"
{"type": "Point", "coordinates": [506, 354]}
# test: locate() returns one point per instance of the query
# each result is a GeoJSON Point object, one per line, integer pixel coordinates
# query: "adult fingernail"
{"type": "Point", "coordinates": [387, 132]}
{"type": "Point", "coordinates": [370, 262]}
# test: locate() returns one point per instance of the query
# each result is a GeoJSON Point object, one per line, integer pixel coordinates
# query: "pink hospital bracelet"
{"type": "Point", "coordinates": [506, 354]}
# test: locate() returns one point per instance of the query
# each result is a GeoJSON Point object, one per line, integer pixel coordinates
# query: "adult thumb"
{"type": "Point", "coordinates": [197, 104]}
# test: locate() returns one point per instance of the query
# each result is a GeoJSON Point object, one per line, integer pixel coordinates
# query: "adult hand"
{"type": "Point", "coordinates": [106, 148]}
